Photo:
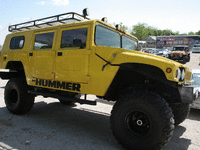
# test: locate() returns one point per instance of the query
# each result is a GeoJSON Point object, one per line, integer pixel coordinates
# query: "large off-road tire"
{"type": "Point", "coordinates": [17, 99]}
{"type": "Point", "coordinates": [184, 59]}
{"type": "Point", "coordinates": [180, 111]}
{"type": "Point", "coordinates": [188, 58]}
{"type": "Point", "coordinates": [142, 120]}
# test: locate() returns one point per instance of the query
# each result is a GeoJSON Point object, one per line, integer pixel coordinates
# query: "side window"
{"type": "Point", "coordinates": [75, 38]}
{"type": "Point", "coordinates": [17, 42]}
{"type": "Point", "coordinates": [44, 41]}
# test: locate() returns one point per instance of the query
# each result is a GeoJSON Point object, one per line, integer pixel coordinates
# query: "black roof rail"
{"type": "Point", "coordinates": [48, 21]}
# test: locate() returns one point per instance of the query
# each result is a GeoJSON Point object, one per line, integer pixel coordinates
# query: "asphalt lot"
{"type": "Point", "coordinates": [51, 125]}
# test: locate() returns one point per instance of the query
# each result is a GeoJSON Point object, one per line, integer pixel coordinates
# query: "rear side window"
{"type": "Point", "coordinates": [17, 42]}
{"type": "Point", "coordinates": [44, 41]}
{"type": "Point", "coordinates": [75, 38]}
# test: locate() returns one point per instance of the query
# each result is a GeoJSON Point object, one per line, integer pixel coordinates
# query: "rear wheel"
{"type": "Point", "coordinates": [17, 98]}
{"type": "Point", "coordinates": [142, 120]}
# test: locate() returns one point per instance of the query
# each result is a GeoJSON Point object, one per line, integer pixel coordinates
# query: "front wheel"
{"type": "Point", "coordinates": [17, 98]}
{"type": "Point", "coordinates": [184, 59]}
{"type": "Point", "coordinates": [188, 58]}
{"type": "Point", "coordinates": [142, 120]}
{"type": "Point", "coordinates": [180, 111]}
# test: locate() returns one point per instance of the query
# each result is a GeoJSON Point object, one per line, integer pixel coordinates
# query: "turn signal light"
{"type": "Point", "coordinates": [168, 70]}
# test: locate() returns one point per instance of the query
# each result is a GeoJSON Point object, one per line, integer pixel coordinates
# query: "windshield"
{"type": "Point", "coordinates": [180, 48]}
{"type": "Point", "coordinates": [128, 43]}
{"type": "Point", "coordinates": [111, 38]}
{"type": "Point", "coordinates": [106, 37]}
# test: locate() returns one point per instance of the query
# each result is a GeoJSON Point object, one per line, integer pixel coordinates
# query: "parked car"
{"type": "Point", "coordinates": [196, 84]}
{"type": "Point", "coordinates": [147, 50]}
{"type": "Point", "coordinates": [162, 52]}
{"type": "Point", "coordinates": [196, 48]}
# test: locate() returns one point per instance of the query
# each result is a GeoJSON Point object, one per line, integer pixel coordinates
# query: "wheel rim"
{"type": "Point", "coordinates": [137, 123]}
{"type": "Point", "coordinates": [13, 96]}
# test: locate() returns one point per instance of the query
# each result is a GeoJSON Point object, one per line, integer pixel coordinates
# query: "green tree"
{"type": "Point", "coordinates": [124, 28]}
{"type": "Point", "coordinates": [198, 32]}
{"type": "Point", "coordinates": [140, 31]}
{"type": "Point", "coordinates": [191, 33]}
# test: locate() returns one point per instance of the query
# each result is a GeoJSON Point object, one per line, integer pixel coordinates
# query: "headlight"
{"type": "Point", "coordinates": [183, 74]}
{"type": "Point", "coordinates": [178, 74]}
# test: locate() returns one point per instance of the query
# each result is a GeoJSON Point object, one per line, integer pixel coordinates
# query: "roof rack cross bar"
{"type": "Point", "coordinates": [48, 21]}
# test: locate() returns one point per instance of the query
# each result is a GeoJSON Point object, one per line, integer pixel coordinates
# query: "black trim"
{"type": "Point", "coordinates": [45, 94]}
{"type": "Point", "coordinates": [102, 58]}
{"type": "Point", "coordinates": [107, 62]}
{"type": "Point", "coordinates": [48, 21]}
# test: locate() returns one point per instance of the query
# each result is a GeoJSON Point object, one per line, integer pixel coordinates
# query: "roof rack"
{"type": "Point", "coordinates": [49, 21]}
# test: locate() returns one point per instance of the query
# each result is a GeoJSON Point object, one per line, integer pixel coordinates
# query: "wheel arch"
{"type": "Point", "coordinates": [17, 66]}
{"type": "Point", "coordinates": [143, 77]}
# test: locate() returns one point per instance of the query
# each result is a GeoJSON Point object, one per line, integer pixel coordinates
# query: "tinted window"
{"type": "Point", "coordinates": [75, 38]}
{"type": "Point", "coordinates": [17, 42]}
{"type": "Point", "coordinates": [44, 41]}
{"type": "Point", "coordinates": [107, 37]}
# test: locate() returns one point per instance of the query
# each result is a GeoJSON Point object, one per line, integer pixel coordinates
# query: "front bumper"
{"type": "Point", "coordinates": [188, 94]}
{"type": "Point", "coordinates": [177, 57]}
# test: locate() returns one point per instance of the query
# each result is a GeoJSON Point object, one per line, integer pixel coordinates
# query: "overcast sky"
{"type": "Point", "coordinates": [176, 15]}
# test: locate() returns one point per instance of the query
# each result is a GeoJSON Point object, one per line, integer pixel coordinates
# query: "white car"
{"type": "Point", "coordinates": [196, 84]}
{"type": "Point", "coordinates": [196, 48]}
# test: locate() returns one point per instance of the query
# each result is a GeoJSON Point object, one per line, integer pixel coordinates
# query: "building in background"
{"type": "Point", "coordinates": [150, 41]}
{"type": "Point", "coordinates": [170, 41]}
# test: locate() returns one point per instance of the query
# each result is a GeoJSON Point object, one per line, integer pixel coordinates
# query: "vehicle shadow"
{"type": "Point", "coordinates": [194, 114]}
{"type": "Point", "coordinates": [176, 142]}
{"type": "Point", "coordinates": [57, 126]}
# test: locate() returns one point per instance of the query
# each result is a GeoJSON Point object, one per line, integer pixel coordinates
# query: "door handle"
{"type": "Point", "coordinates": [59, 54]}
{"type": "Point", "coordinates": [30, 54]}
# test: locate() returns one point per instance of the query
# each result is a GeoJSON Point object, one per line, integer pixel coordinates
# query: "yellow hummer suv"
{"type": "Point", "coordinates": [68, 54]}
{"type": "Point", "coordinates": [180, 52]}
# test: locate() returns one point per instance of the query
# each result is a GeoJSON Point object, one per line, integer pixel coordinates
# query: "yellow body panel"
{"type": "Point", "coordinates": [78, 70]}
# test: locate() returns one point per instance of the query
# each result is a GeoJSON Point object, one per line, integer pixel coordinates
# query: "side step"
{"type": "Point", "coordinates": [81, 101]}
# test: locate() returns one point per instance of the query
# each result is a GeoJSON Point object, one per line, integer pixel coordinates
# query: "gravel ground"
{"type": "Point", "coordinates": [51, 125]}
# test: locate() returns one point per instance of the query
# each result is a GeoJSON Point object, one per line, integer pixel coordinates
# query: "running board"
{"type": "Point", "coordinates": [81, 101]}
